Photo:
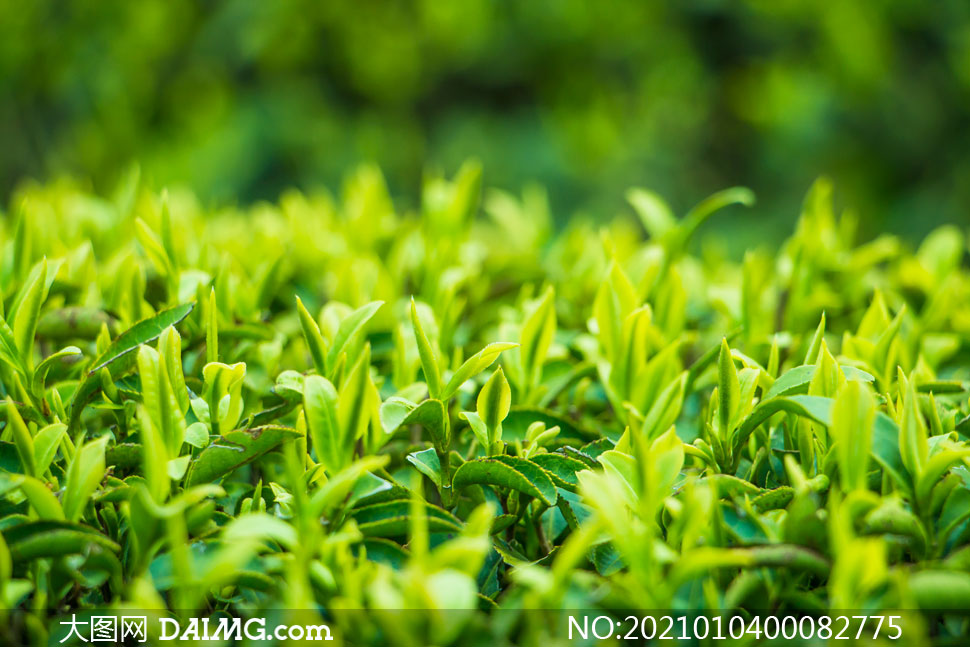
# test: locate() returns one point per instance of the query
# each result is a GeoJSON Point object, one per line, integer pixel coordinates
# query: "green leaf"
{"type": "Point", "coordinates": [176, 467]}
{"type": "Point", "coordinates": [6, 565]}
{"type": "Point", "coordinates": [666, 457]}
{"type": "Point", "coordinates": [477, 426]}
{"type": "Point", "coordinates": [141, 333]}
{"type": "Point", "coordinates": [355, 403]}
{"type": "Point", "coordinates": [853, 419]}
{"type": "Point", "coordinates": [955, 510]}
{"type": "Point", "coordinates": [46, 443]}
{"type": "Point", "coordinates": [727, 486]}
{"type": "Point", "coordinates": [934, 469]}
{"type": "Point", "coordinates": [40, 373]}
{"type": "Point", "coordinates": [606, 559]}
{"type": "Point", "coordinates": [615, 299]}
{"type": "Point", "coordinates": [28, 312]}
{"type": "Point", "coordinates": [52, 538]}
{"type": "Point", "coordinates": [494, 402]}
{"type": "Point", "coordinates": [912, 434]}
{"type": "Point", "coordinates": [170, 352]}
{"type": "Point", "coordinates": [22, 243]}
{"type": "Point", "coordinates": [795, 381]}
{"type": "Point", "coordinates": [704, 560]}
{"type": "Point", "coordinates": [475, 365]}
{"type": "Point", "coordinates": [890, 517]}
{"type": "Point", "coordinates": [508, 472]}
{"type": "Point", "coordinates": [538, 331]}
{"type": "Point", "coordinates": [775, 499]}
{"type": "Point", "coordinates": [223, 393]}
{"type": "Point", "coordinates": [942, 387]}
{"type": "Point", "coordinates": [22, 439]}
{"type": "Point", "coordinates": [828, 376]}
{"type": "Point", "coordinates": [73, 322]}
{"type": "Point", "coordinates": [728, 390]}
{"type": "Point", "coordinates": [393, 412]}
{"type": "Point", "coordinates": [8, 349]}
{"type": "Point", "coordinates": [197, 435]}
{"type": "Point", "coordinates": [289, 386]}
{"type": "Point", "coordinates": [83, 477]}
{"type": "Point", "coordinates": [330, 443]}
{"type": "Point", "coordinates": [262, 527]}
{"type": "Point", "coordinates": [314, 339]}
{"type": "Point", "coordinates": [124, 456]}
{"type": "Point", "coordinates": [811, 357]}
{"type": "Point", "coordinates": [393, 519]}
{"type": "Point", "coordinates": [41, 499]}
{"type": "Point", "coordinates": [939, 590]}
{"type": "Point", "coordinates": [881, 351]}
{"type": "Point", "coordinates": [811, 407]}
{"type": "Point", "coordinates": [561, 468]}
{"type": "Point", "coordinates": [792, 382]}
{"type": "Point", "coordinates": [885, 449]}
{"type": "Point", "coordinates": [665, 409]}
{"type": "Point", "coordinates": [430, 414]}
{"type": "Point", "coordinates": [426, 462]}
{"type": "Point", "coordinates": [653, 212]}
{"type": "Point", "coordinates": [154, 248]}
{"type": "Point", "coordinates": [429, 358]}
{"type": "Point", "coordinates": [235, 449]}
{"type": "Point", "coordinates": [385, 551]}
{"type": "Point", "coordinates": [159, 398]}
{"type": "Point", "coordinates": [212, 329]}
{"type": "Point", "coordinates": [154, 456]}
{"type": "Point", "coordinates": [349, 327]}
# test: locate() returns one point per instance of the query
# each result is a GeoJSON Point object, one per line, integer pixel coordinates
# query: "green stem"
{"type": "Point", "coordinates": [444, 460]}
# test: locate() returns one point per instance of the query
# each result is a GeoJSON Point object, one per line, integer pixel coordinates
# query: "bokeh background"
{"type": "Point", "coordinates": [241, 99]}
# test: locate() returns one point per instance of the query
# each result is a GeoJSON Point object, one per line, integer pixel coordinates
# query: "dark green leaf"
{"type": "Point", "coordinates": [508, 472]}
{"type": "Point", "coordinates": [561, 468]}
{"type": "Point", "coordinates": [234, 449]}
{"type": "Point", "coordinates": [392, 519]}
{"type": "Point", "coordinates": [39, 539]}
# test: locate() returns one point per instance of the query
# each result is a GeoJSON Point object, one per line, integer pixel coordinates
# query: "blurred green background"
{"type": "Point", "coordinates": [241, 99]}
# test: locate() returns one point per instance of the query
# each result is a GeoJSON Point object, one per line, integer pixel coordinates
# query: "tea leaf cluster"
{"type": "Point", "coordinates": [329, 404]}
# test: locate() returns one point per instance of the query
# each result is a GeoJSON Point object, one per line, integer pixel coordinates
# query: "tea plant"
{"type": "Point", "coordinates": [327, 405]}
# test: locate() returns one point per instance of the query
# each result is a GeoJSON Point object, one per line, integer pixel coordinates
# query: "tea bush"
{"type": "Point", "coordinates": [324, 405]}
